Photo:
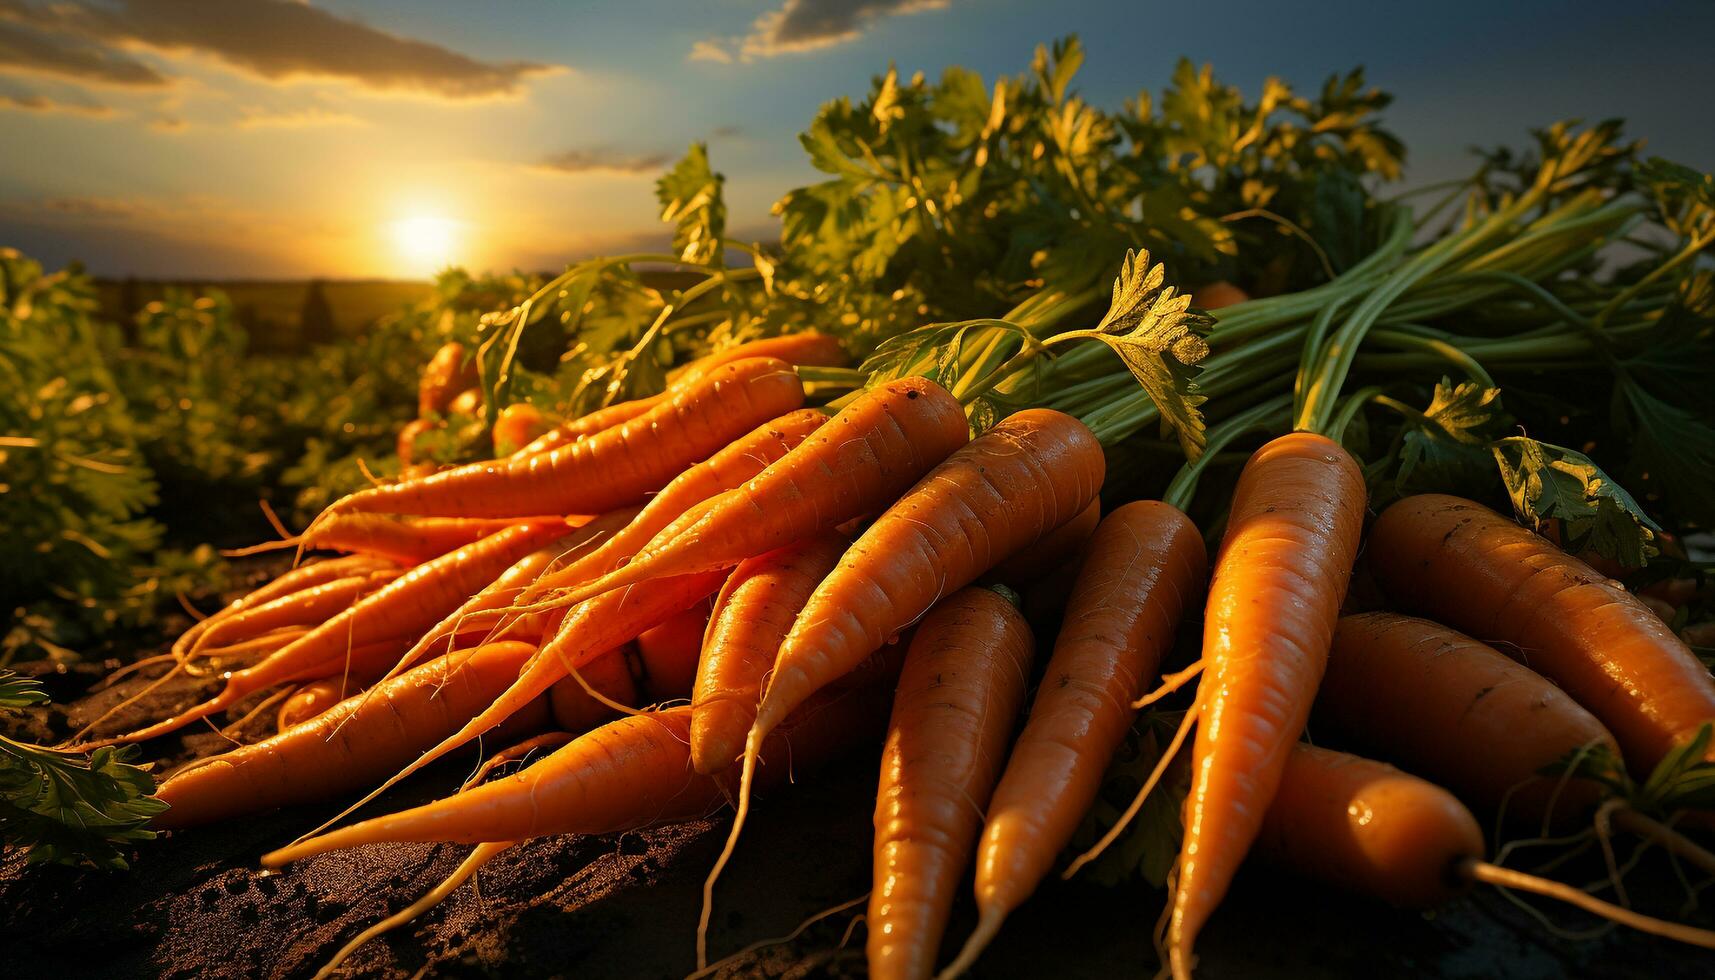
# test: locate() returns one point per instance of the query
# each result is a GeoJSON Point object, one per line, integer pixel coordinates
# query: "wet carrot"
{"type": "Point", "coordinates": [1465, 565]}
{"type": "Point", "coordinates": [958, 697]}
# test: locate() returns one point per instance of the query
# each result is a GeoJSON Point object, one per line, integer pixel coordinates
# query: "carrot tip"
{"type": "Point", "coordinates": [988, 926]}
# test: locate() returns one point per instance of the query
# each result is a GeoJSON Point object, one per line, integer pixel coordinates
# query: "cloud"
{"type": "Point", "coordinates": [40, 52]}
{"type": "Point", "coordinates": [273, 39]}
{"type": "Point", "coordinates": [253, 118]}
{"type": "Point", "coordinates": [97, 207]}
{"type": "Point", "coordinates": [715, 51]}
{"type": "Point", "coordinates": [18, 97]}
{"type": "Point", "coordinates": [806, 25]}
{"type": "Point", "coordinates": [602, 160]}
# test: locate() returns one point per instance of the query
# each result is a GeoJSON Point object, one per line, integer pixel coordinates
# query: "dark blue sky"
{"type": "Point", "coordinates": [379, 137]}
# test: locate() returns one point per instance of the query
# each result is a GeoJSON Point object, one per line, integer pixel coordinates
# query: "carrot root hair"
{"type": "Point", "coordinates": [1494, 874]}
{"type": "Point", "coordinates": [988, 926]}
{"type": "Point", "coordinates": [1169, 684]}
{"type": "Point", "coordinates": [741, 810]}
{"type": "Point", "coordinates": [1185, 725]}
{"type": "Point", "coordinates": [523, 750]}
{"type": "Point", "coordinates": [435, 896]}
{"type": "Point", "coordinates": [804, 926]}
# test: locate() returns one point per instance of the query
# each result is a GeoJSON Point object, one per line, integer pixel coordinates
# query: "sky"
{"type": "Point", "coordinates": [385, 138]}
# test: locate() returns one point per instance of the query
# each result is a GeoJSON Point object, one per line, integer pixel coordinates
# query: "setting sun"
{"type": "Point", "coordinates": [424, 243]}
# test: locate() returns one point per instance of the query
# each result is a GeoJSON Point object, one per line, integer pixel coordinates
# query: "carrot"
{"type": "Point", "coordinates": [752, 615]}
{"type": "Point", "coordinates": [405, 443]}
{"type": "Point", "coordinates": [408, 542]}
{"type": "Point", "coordinates": [806, 349]}
{"type": "Point", "coordinates": [1056, 548]}
{"type": "Point", "coordinates": [610, 675]}
{"type": "Point", "coordinates": [617, 467]}
{"type": "Point", "coordinates": [404, 607]}
{"type": "Point", "coordinates": [726, 470]}
{"type": "Point", "coordinates": [668, 654]}
{"type": "Point", "coordinates": [630, 773]}
{"type": "Point", "coordinates": [1280, 577]}
{"type": "Point", "coordinates": [1369, 828]}
{"type": "Point", "coordinates": [486, 611]}
{"type": "Point", "coordinates": [518, 425]}
{"type": "Point", "coordinates": [305, 576]}
{"type": "Point", "coordinates": [856, 464]}
{"type": "Point", "coordinates": [446, 374]}
{"type": "Point", "coordinates": [1144, 567]}
{"type": "Point", "coordinates": [959, 694]}
{"type": "Point", "coordinates": [590, 629]}
{"type": "Point", "coordinates": [311, 700]}
{"type": "Point", "coordinates": [1465, 565]}
{"type": "Point", "coordinates": [466, 402]}
{"type": "Point", "coordinates": [599, 420]}
{"type": "Point", "coordinates": [309, 607]}
{"type": "Point", "coordinates": [1021, 479]}
{"type": "Point", "coordinates": [1457, 711]}
{"type": "Point", "coordinates": [347, 746]}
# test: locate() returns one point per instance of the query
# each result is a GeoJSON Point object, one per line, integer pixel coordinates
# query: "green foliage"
{"type": "Point", "coordinates": [64, 807]}
{"type": "Point", "coordinates": [1553, 483]}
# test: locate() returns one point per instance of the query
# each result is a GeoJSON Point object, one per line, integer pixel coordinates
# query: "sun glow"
{"type": "Point", "coordinates": [426, 243]}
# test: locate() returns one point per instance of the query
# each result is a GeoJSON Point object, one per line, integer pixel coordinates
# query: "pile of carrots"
{"type": "Point", "coordinates": [664, 601]}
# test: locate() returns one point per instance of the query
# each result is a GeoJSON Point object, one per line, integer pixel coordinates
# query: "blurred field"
{"type": "Point", "coordinates": [280, 315]}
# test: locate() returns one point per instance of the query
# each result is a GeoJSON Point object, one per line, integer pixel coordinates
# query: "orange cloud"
{"type": "Point", "coordinates": [806, 25]}
{"type": "Point", "coordinates": [273, 39]}
{"type": "Point", "coordinates": [602, 160]}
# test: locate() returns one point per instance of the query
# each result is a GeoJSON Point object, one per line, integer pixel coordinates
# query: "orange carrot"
{"type": "Point", "coordinates": [446, 374]}
{"type": "Point", "coordinates": [619, 466]}
{"type": "Point", "coordinates": [630, 773]}
{"type": "Point", "coordinates": [726, 470]}
{"type": "Point", "coordinates": [408, 542]}
{"type": "Point", "coordinates": [667, 655]}
{"type": "Point", "coordinates": [590, 629]}
{"type": "Point", "coordinates": [518, 425]}
{"type": "Point", "coordinates": [752, 616]}
{"type": "Point", "coordinates": [312, 699]}
{"type": "Point", "coordinates": [309, 607]}
{"type": "Point", "coordinates": [1465, 565]}
{"type": "Point", "coordinates": [1019, 480]}
{"type": "Point", "coordinates": [856, 464]}
{"type": "Point", "coordinates": [403, 608]}
{"type": "Point", "coordinates": [585, 426]}
{"type": "Point", "coordinates": [1428, 697]}
{"type": "Point", "coordinates": [305, 576]}
{"type": "Point", "coordinates": [486, 612]}
{"type": "Point", "coordinates": [1144, 567]}
{"type": "Point", "coordinates": [405, 444]}
{"type": "Point", "coordinates": [1367, 827]}
{"type": "Point", "coordinates": [959, 695]}
{"type": "Point", "coordinates": [349, 745]}
{"type": "Point", "coordinates": [1280, 577]}
{"type": "Point", "coordinates": [1056, 548]}
{"type": "Point", "coordinates": [610, 675]}
{"type": "Point", "coordinates": [806, 349]}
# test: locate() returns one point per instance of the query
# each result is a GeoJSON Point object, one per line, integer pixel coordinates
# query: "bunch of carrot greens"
{"type": "Point", "coordinates": [833, 509]}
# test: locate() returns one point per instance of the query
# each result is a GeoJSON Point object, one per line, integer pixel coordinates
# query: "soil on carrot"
{"type": "Point", "coordinates": [197, 904]}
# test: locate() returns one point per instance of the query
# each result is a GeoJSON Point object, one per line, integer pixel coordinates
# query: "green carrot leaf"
{"type": "Point", "coordinates": [1159, 336]}
{"type": "Point", "coordinates": [1446, 448]}
{"type": "Point", "coordinates": [1548, 482]}
{"type": "Point", "coordinates": [690, 196]}
{"type": "Point", "coordinates": [63, 807]}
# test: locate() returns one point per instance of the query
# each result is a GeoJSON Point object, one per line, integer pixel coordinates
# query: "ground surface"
{"type": "Point", "coordinates": [196, 905]}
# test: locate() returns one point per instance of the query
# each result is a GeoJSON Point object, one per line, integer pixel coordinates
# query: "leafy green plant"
{"type": "Point", "coordinates": [65, 807]}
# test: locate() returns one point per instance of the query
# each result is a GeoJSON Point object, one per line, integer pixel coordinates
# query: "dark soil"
{"type": "Point", "coordinates": [196, 904]}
